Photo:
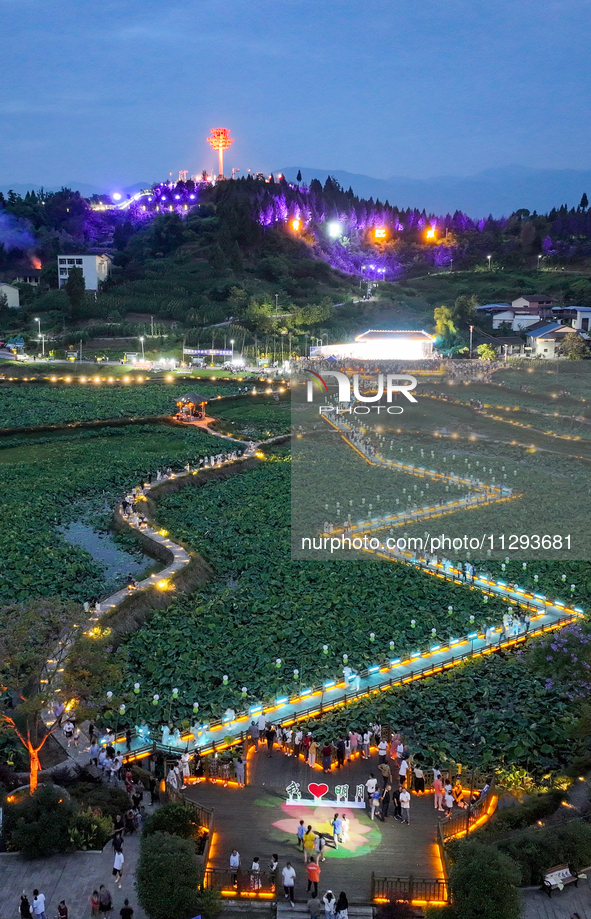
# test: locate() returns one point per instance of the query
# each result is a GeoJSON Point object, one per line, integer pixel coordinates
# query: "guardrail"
{"type": "Point", "coordinates": [413, 890]}
{"type": "Point", "coordinates": [204, 816]}
{"type": "Point", "coordinates": [240, 883]}
{"type": "Point", "coordinates": [474, 815]}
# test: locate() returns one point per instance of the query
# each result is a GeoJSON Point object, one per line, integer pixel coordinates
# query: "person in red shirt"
{"type": "Point", "coordinates": [313, 872]}
{"type": "Point", "coordinates": [437, 794]}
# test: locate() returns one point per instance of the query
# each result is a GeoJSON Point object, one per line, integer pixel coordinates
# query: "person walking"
{"type": "Point", "coordinates": [385, 802]}
{"type": "Point", "coordinates": [374, 803]}
{"type": "Point", "coordinates": [345, 829]}
{"type": "Point", "coordinates": [405, 805]}
{"type": "Point", "coordinates": [319, 846]}
{"type": "Point", "coordinates": [306, 746]}
{"type": "Point", "coordinates": [370, 786]}
{"type": "Point", "coordinates": [308, 844]}
{"type": "Point", "coordinates": [273, 869]}
{"type": "Point", "coordinates": [340, 753]}
{"type": "Point", "coordinates": [337, 829]}
{"type": "Point", "coordinates": [342, 907]}
{"type": "Point", "coordinates": [240, 766]}
{"type": "Point", "coordinates": [382, 750]}
{"type": "Point", "coordinates": [234, 865]}
{"type": "Point", "coordinates": [419, 780]}
{"type": "Point", "coordinates": [386, 773]}
{"type": "Point", "coordinates": [403, 769]}
{"type": "Point", "coordinates": [314, 907]}
{"type": "Point", "coordinates": [437, 794]}
{"type": "Point", "coordinates": [448, 801]}
{"type": "Point", "coordinates": [326, 757]}
{"type": "Point", "coordinates": [353, 737]}
{"type": "Point", "coordinates": [62, 910]}
{"type": "Point", "coordinates": [297, 742]}
{"type": "Point", "coordinates": [313, 873]}
{"type": "Point", "coordinates": [94, 903]}
{"type": "Point", "coordinates": [126, 912]}
{"type": "Point", "coordinates": [38, 905]}
{"type": "Point", "coordinates": [270, 738]}
{"type": "Point", "coordinates": [366, 743]}
{"type": "Point", "coordinates": [105, 900]}
{"type": "Point", "coordinates": [312, 753]}
{"type": "Point", "coordinates": [329, 904]}
{"type": "Point", "coordinates": [288, 876]}
{"type": "Point", "coordinates": [24, 907]}
{"type": "Point", "coordinates": [300, 834]}
{"type": "Point", "coordinates": [254, 735]}
{"type": "Point", "coordinates": [118, 866]}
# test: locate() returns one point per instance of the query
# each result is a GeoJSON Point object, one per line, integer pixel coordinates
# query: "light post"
{"type": "Point", "coordinates": [539, 258]}
{"type": "Point", "coordinates": [471, 332]}
{"type": "Point", "coordinates": [41, 337]}
{"type": "Point", "coordinates": [142, 343]}
{"type": "Point", "coordinates": [282, 358]}
{"type": "Point", "coordinates": [232, 344]}
{"type": "Point", "coordinates": [489, 258]}
{"type": "Point", "coordinates": [276, 304]}
{"type": "Point", "coordinates": [451, 264]}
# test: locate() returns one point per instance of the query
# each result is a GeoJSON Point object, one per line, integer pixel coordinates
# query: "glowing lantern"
{"type": "Point", "coordinates": [136, 688]}
{"type": "Point", "coordinates": [225, 679]}
{"type": "Point", "coordinates": [195, 707]}
{"type": "Point", "coordinates": [175, 693]}
{"type": "Point", "coordinates": [325, 649]}
{"type": "Point", "coordinates": [244, 691]}
{"type": "Point", "coordinates": [413, 623]}
{"type": "Point", "coordinates": [122, 709]}
{"type": "Point", "coordinates": [155, 698]}
{"type": "Point", "coordinates": [296, 224]}
{"type": "Point", "coordinates": [109, 695]}
{"type": "Point", "coordinates": [278, 662]}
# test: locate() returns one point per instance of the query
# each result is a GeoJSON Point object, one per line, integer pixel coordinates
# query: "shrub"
{"type": "Point", "coordinates": [536, 851]}
{"type": "Point", "coordinates": [523, 815]}
{"type": "Point", "coordinates": [176, 819]}
{"type": "Point", "coordinates": [39, 825]}
{"type": "Point", "coordinates": [483, 883]}
{"type": "Point", "coordinates": [167, 877]}
{"type": "Point", "coordinates": [106, 798]}
{"type": "Point", "coordinates": [90, 830]}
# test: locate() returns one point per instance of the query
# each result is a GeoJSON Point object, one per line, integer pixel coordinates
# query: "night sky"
{"type": "Point", "coordinates": [115, 93]}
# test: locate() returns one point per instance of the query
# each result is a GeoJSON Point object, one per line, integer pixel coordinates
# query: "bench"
{"type": "Point", "coordinates": [559, 876]}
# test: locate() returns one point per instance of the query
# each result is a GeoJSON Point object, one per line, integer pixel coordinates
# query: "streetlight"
{"type": "Point", "coordinates": [282, 334]}
{"type": "Point", "coordinates": [41, 337]}
{"type": "Point", "coordinates": [489, 258]}
{"type": "Point", "coordinates": [471, 331]}
{"type": "Point", "coordinates": [232, 343]}
{"type": "Point", "coordinates": [539, 257]}
{"type": "Point", "coordinates": [142, 342]}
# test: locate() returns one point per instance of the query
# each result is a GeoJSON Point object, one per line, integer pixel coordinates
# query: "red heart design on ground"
{"type": "Point", "coordinates": [317, 790]}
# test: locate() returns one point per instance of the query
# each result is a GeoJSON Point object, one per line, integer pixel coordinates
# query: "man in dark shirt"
{"type": "Point", "coordinates": [126, 911]}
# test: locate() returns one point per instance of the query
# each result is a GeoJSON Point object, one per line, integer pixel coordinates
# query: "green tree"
{"type": "Point", "coordinates": [75, 288]}
{"type": "Point", "coordinates": [573, 347]}
{"type": "Point", "coordinates": [39, 826]}
{"type": "Point", "coordinates": [463, 312]}
{"type": "Point", "coordinates": [444, 324]}
{"type": "Point", "coordinates": [486, 352]}
{"type": "Point", "coordinates": [167, 877]}
{"type": "Point", "coordinates": [217, 259]}
{"type": "Point", "coordinates": [28, 634]}
{"type": "Point", "coordinates": [299, 176]}
{"type": "Point", "coordinates": [236, 263]}
{"type": "Point", "coordinates": [584, 201]}
{"type": "Point", "coordinates": [483, 883]}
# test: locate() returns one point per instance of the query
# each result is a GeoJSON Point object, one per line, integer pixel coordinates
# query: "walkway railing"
{"type": "Point", "coordinates": [417, 891]}
{"type": "Point", "coordinates": [240, 883]}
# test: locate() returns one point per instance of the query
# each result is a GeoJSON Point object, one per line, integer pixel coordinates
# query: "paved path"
{"type": "Point", "coordinates": [563, 904]}
{"type": "Point", "coordinates": [256, 820]}
{"type": "Point", "coordinates": [70, 877]}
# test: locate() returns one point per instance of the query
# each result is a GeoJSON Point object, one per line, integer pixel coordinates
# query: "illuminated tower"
{"type": "Point", "coordinates": [220, 140]}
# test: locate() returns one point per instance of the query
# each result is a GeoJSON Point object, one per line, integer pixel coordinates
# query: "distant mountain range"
{"type": "Point", "coordinates": [494, 191]}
